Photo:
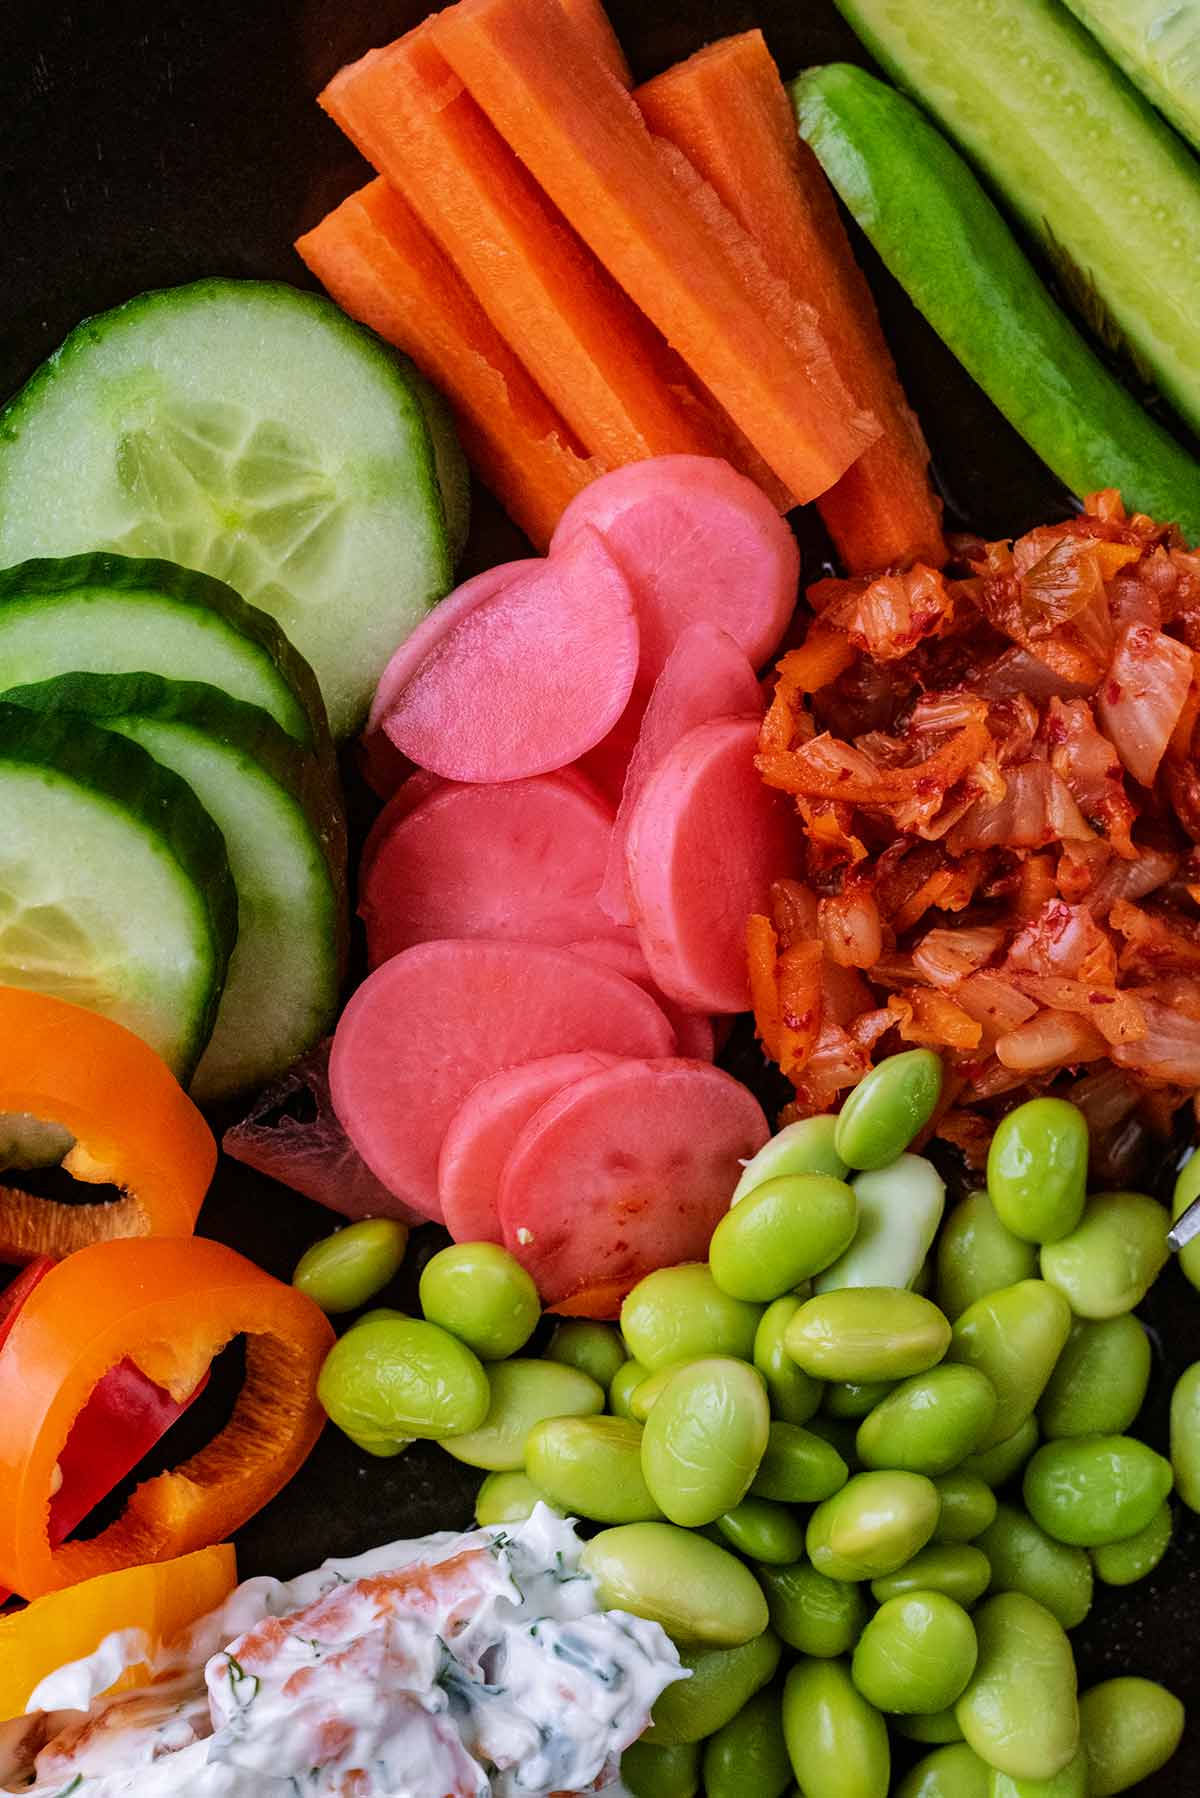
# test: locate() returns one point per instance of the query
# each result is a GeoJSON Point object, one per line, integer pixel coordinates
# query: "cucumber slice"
{"type": "Point", "coordinates": [107, 614]}
{"type": "Point", "coordinates": [1099, 181]}
{"type": "Point", "coordinates": [285, 838]}
{"type": "Point", "coordinates": [252, 431]}
{"type": "Point", "coordinates": [454, 477]}
{"type": "Point", "coordinates": [115, 890]}
{"type": "Point", "coordinates": [1157, 43]}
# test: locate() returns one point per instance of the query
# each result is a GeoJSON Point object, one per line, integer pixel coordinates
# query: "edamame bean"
{"type": "Point", "coordinates": [625, 1382]}
{"type": "Point", "coordinates": [806, 1147]}
{"type": "Point", "coordinates": [1072, 1782]}
{"type": "Point", "coordinates": [929, 1423]}
{"type": "Point", "coordinates": [697, 1591]}
{"type": "Point", "coordinates": [783, 1232]}
{"type": "Point", "coordinates": [1109, 1263]}
{"type": "Point", "coordinates": [798, 1467]}
{"type": "Point", "coordinates": [811, 1612]}
{"type": "Point", "coordinates": [867, 1333]}
{"type": "Point", "coordinates": [651, 1772]}
{"type": "Point", "coordinates": [795, 1396]}
{"type": "Point", "coordinates": [387, 1382]}
{"type": "Point", "coordinates": [1124, 1563]}
{"type": "Point", "coordinates": [997, 1466]}
{"type": "Point", "coordinates": [1099, 1383]}
{"type": "Point", "coordinates": [507, 1498]}
{"type": "Point", "coordinates": [887, 1109]}
{"type": "Point", "coordinates": [522, 1393]}
{"type": "Point", "coordinates": [876, 1523]}
{"type": "Point", "coordinates": [1025, 1559]}
{"type": "Point", "coordinates": [968, 1506]}
{"type": "Point", "coordinates": [929, 1726]}
{"type": "Point", "coordinates": [958, 1571]}
{"type": "Point", "coordinates": [840, 1434]}
{"type": "Point", "coordinates": [1130, 1728]}
{"type": "Point", "coordinates": [1019, 1712]}
{"type": "Point", "coordinates": [916, 1655]}
{"type": "Point", "coordinates": [1187, 1188]}
{"type": "Point", "coordinates": [762, 1531]}
{"type": "Point", "coordinates": [1014, 1336]}
{"type": "Point", "coordinates": [853, 1399]}
{"type": "Point", "coordinates": [591, 1467]}
{"type": "Point", "coordinates": [722, 1681]}
{"type": "Point", "coordinates": [343, 1271]}
{"type": "Point", "coordinates": [748, 1757]}
{"type": "Point", "coordinates": [899, 1209]}
{"type": "Point", "coordinates": [704, 1439]}
{"type": "Point", "coordinates": [1185, 1435]}
{"type": "Point", "coordinates": [1088, 1490]}
{"type": "Point", "coordinates": [595, 1349]}
{"type": "Point", "coordinates": [478, 1292]}
{"type": "Point", "coordinates": [954, 1772]}
{"type": "Point", "coordinates": [977, 1254]}
{"type": "Point", "coordinates": [1037, 1169]}
{"type": "Point", "coordinates": [680, 1313]}
{"type": "Point", "coordinates": [837, 1742]}
{"type": "Point", "coordinates": [643, 1398]}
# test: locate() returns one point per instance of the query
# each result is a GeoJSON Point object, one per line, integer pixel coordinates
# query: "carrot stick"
{"type": "Point", "coordinates": [592, 22]}
{"type": "Point", "coordinates": [727, 110]}
{"type": "Point", "coordinates": [381, 266]}
{"type": "Point", "coordinates": [661, 232]}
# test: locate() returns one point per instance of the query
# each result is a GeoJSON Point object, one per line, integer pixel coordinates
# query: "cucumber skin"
{"type": "Point", "coordinates": [1125, 28]}
{"type": "Point", "coordinates": [1107, 190]}
{"type": "Point", "coordinates": [159, 801]}
{"type": "Point", "coordinates": [944, 240]}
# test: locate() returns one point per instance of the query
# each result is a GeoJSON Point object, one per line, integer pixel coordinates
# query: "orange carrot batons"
{"type": "Point", "coordinates": [591, 22]}
{"type": "Point", "coordinates": [727, 110]}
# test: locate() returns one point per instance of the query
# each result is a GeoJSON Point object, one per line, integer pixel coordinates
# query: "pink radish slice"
{"type": "Point", "coordinates": [706, 839]}
{"type": "Point", "coordinates": [696, 540]}
{"type": "Point", "coordinates": [531, 679]}
{"type": "Point", "coordinates": [483, 1131]}
{"type": "Point", "coordinates": [607, 765]}
{"type": "Point", "coordinates": [520, 860]}
{"type": "Point", "coordinates": [405, 799]}
{"type": "Point", "coordinates": [430, 1024]}
{"type": "Point", "coordinates": [625, 1171]}
{"type": "Point", "coordinates": [695, 1037]}
{"type": "Point", "coordinates": [706, 676]}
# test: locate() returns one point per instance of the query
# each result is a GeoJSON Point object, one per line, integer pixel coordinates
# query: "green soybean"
{"type": "Point", "coordinates": [1109, 1263]}
{"type": "Point", "coordinates": [806, 1147]}
{"type": "Point", "coordinates": [1099, 1383]}
{"type": "Point", "coordinates": [595, 1349]}
{"type": "Point", "coordinates": [888, 1108]}
{"type": "Point", "coordinates": [342, 1271]}
{"type": "Point", "coordinates": [1019, 1712]}
{"type": "Point", "coordinates": [958, 1571]}
{"type": "Point", "coordinates": [697, 1591]}
{"type": "Point", "coordinates": [841, 1434]}
{"type": "Point", "coordinates": [997, 1466]}
{"type": "Point", "coordinates": [1130, 1728]}
{"type": "Point", "coordinates": [798, 1467]}
{"type": "Point", "coordinates": [977, 1254]}
{"type": "Point", "coordinates": [398, 1378]}
{"type": "Point", "coordinates": [968, 1506]}
{"type": "Point", "coordinates": [899, 1209]}
{"type": "Point", "coordinates": [1014, 1336]}
{"type": "Point", "coordinates": [680, 1313]}
{"type": "Point", "coordinates": [916, 1655]}
{"type": "Point", "coordinates": [954, 1772]}
{"type": "Point", "coordinates": [1187, 1189]}
{"type": "Point", "coordinates": [704, 1439]}
{"type": "Point", "coordinates": [1124, 1563]}
{"type": "Point", "coordinates": [1025, 1559]}
{"type": "Point", "coordinates": [762, 1531]}
{"type": "Point", "coordinates": [786, 1230]}
{"type": "Point", "coordinates": [1037, 1169]}
{"type": "Point", "coordinates": [722, 1681]}
{"type": "Point", "coordinates": [624, 1383]}
{"type": "Point", "coordinates": [1185, 1436]}
{"type": "Point", "coordinates": [867, 1333]}
{"type": "Point", "coordinates": [1072, 1782]}
{"type": "Point", "coordinates": [1089, 1490]}
{"type": "Point", "coordinates": [929, 1423]}
{"type": "Point", "coordinates": [651, 1772]}
{"type": "Point", "coordinates": [837, 1742]}
{"type": "Point", "coordinates": [929, 1726]}
{"type": "Point", "coordinates": [478, 1292]}
{"type": "Point", "coordinates": [522, 1394]}
{"type": "Point", "coordinates": [643, 1398]}
{"type": "Point", "coordinates": [876, 1523]}
{"type": "Point", "coordinates": [506, 1498]}
{"type": "Point", "coordinates": [591, 1467]}
{"type": "Point", "coordinates": [812, 1613]}
{"type": "Point", "coordinates": [795, 1396]}
{"type": "Point", "coordinates": [853, 1399]}
{"type": "Point", "coordinates": [748, 1757]}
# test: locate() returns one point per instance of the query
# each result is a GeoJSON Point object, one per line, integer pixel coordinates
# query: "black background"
{"type": "Point", "coordinates": [142, 146]}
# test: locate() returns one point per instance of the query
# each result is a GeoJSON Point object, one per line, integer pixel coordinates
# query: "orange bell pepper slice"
{"type": "Point", "coordinates": [134, 1128]}
{"type": "Point", "coordinates": [168, 1305]}
{"type": "Point", "coordinates": [159, 1600]}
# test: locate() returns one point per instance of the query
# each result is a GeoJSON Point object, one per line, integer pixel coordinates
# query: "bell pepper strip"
{"type": "Point", "coordinates": [602, 1301]}
{"type": "Point", "coordinates": [168, 1306]}
{"type": "Point", "coordinates": [18, 1290]}
{"type": "Point", "coordinates": [158, 1601]}
{"type": "Point", "coordinates": [133, 1127]}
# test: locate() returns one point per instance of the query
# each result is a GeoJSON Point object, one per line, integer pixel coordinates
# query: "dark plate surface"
{"type": "Point", "coordinates": [141, 146]}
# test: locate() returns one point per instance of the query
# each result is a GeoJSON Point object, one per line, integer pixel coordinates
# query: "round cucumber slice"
{"type": "Point", "coordinates": [285, 836]}
{"type": "Point", "coordinates": [115, 889]}
{"type": "Point", "coordinates": [252, 431]}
